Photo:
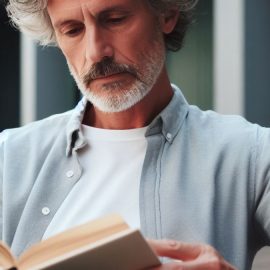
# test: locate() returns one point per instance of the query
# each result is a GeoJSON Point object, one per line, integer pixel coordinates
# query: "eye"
{"type": "Point", "coordinates": [72, 31]}
{"type": "Point", "coordinates": [116, 20]}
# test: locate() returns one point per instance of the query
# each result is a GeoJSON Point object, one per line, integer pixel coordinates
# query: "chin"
{"type": "Point", "coordinates": [115, 102]}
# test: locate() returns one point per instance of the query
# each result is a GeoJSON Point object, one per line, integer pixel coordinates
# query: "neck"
{"type": "Point", "coordinates": [140, 115]}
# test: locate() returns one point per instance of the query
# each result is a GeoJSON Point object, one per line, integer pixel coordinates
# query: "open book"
{"type": "Point", "coordinates": [104, 244]}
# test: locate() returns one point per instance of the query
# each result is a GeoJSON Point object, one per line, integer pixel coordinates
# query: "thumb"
{"type": "Point", "coordinates": [176, 250]}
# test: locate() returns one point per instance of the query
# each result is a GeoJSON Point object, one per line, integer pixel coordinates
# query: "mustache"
{"type": "Point", "coordinates": [107, 67]}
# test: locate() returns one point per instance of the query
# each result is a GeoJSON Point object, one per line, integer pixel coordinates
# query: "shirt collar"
{"type": "Point", "coordinates": [168, 122]}
{"type": "Point", "coordinates": [75, 138]}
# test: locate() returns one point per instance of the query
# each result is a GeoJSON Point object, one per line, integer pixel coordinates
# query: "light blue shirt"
{"type": "Point", "coordinates": [205, 179]}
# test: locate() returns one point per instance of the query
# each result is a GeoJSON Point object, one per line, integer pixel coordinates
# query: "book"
{"type": "Point", "coordinates": [103, 244]}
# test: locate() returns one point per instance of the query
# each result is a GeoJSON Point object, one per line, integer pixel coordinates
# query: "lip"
{"type": "Point", "coordinates": [111, 78]}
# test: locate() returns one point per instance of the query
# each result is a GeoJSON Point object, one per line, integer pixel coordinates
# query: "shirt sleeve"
{"type": "Point", "coordinates": [262, 186]}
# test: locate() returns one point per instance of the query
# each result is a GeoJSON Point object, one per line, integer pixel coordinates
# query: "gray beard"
{"type": "Point", "coordinates": [116, 98]}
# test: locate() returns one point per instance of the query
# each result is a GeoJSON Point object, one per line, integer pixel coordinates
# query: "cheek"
{"type": "Point", "coordinates": [136, 42]}
{"type": "Point", "coordinates": [74, 54]}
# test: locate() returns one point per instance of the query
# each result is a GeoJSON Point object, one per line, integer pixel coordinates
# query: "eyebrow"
{"type": "Point", "coordinates": [61, 22]}
{"type": "Point", "coordinates": [64, 22]}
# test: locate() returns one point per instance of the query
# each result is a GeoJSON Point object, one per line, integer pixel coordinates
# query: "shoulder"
{"type": "Point", "coordinates": [209, 116]}
{"type": "Point", "coordinates": [2, 138]}
{"type": "Point", "coordinates": [42, 130]}
{"type": "Point", "coordinates": [215, 124]}
{"type": "Point", "coordinates": [224, 133]}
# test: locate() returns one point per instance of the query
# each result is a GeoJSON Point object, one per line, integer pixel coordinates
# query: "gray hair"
{"type": "Point", "coordinates": [32, 18]}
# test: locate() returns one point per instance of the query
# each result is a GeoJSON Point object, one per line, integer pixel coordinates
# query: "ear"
{"type": "Point", "coordinates": [168, 20]}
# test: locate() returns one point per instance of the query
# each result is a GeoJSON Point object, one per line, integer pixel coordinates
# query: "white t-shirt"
{"type": "Point", "coordinates": [112, 164]}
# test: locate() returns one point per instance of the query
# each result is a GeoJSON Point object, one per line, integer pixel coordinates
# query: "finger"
{"type": "Point", "coordinates": [176, 250]}
{"type": "Point", "coordinates": [192, 265]}
{"type": "Point", "coordinates": [193, 256]}
{"type": "Point", "coordinates": [169, 266]}
{"type": "Point", "coordinates": [210, 261]}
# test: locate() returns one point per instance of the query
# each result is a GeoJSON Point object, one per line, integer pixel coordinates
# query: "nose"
{"type": "Point", "coordinates": [98, 45]}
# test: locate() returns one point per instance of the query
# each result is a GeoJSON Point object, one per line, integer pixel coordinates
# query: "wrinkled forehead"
{"type": "Point", "coordinates": [61, 10]}
{"type": "Point", "coordinates": [69, 4]}
{"type": "Point", "coordinates": [73, 4]}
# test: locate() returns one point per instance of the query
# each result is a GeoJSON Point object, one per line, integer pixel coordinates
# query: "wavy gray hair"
{"type": "Point", "coordinates": [32, 18]}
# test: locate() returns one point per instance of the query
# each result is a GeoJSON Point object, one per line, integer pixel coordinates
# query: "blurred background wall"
{"type": "Point", "coordinates": [9, 73]}
{"type": "Point", "coordinates": [225, 66]}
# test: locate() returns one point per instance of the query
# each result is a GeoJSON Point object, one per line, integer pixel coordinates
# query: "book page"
{"type": "Point", "coordinates": [122, 251]}
{"type": "Point", "coordinates": [72, 239]}
{"type": "Point", "coordinates": [6, 259]}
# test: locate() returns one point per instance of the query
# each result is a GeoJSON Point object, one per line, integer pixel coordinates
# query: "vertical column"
{"type": "Point", "coordinates": [28, 80]}
{"type": "Point", "coordinates": [229, 56]}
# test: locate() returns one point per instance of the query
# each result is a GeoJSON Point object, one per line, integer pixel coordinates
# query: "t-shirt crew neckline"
{"type": "Point", "coordinates": [100, 134]}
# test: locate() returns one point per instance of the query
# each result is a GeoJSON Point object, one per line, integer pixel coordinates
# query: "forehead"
{"type": "Point", "coordinates": [95, 5]}
{"type": "Point", "coordinates": [68, 10]}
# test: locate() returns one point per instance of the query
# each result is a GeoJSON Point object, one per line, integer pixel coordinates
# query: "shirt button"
{"type": "Point", "coordinates": [45, 211]}
{"type": "Point", "coordinates": [169, 136]}
{"type": "Point", "coordinates": [69, 174]}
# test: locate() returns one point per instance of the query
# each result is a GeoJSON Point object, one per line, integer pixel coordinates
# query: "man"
{"type": "Point", "coordinates": [133, 145]}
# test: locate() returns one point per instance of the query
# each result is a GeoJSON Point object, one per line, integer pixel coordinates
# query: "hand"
{"type": "Point", "coordinates": [188, 256]}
